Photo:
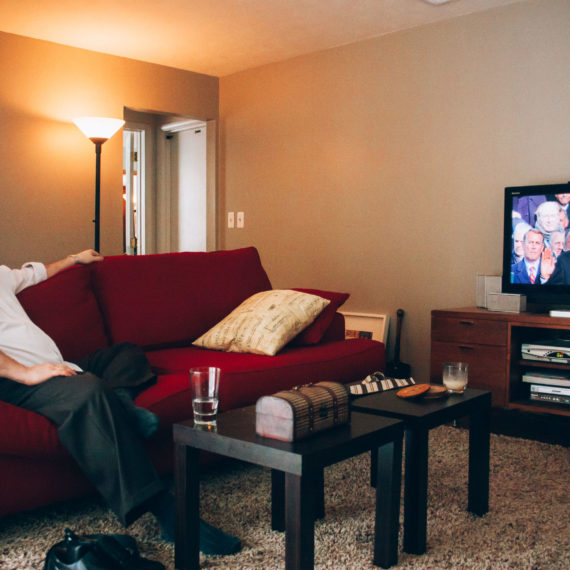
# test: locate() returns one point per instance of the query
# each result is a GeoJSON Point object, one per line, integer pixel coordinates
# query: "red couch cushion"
{"type": "Point", "coordinates": [168, 299]}
{"type": "Point", "coordinates": [66, 309]}
{"type": "Point", "coordinates": [317, 329]}
{"type": "Point", "coordinates": [246, 377]}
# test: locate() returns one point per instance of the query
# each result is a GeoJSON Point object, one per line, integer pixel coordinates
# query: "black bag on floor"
{"type": "Point", "coordinates": [97, 552]}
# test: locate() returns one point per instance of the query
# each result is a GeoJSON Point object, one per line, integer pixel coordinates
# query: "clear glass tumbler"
{"type": "Point", "coordinates": [205, 385]}
{"type": "Point", "coordinates": [455, 375]}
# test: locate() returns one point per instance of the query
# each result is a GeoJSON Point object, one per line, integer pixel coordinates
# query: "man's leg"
{"type": "Point", "coordinates": [125, 368]}
{"type": "Point", "coordinates": [121, 365]}
{"type": "Point", "coordinates": [93, 427]}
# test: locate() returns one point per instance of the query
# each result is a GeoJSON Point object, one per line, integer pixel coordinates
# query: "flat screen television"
{"type": "Point", "coordinates": [536, 244]}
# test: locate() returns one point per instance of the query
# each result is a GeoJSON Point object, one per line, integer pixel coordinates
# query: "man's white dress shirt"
{"type": "Point", "coordinates": [20, 338]}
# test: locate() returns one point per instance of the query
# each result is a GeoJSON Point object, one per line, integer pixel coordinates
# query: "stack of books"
{"type": "Point", "coordinates": [548, 386]}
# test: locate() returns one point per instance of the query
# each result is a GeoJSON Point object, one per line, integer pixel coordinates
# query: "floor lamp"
{"type": "Point", "coordinates": [98, 130]}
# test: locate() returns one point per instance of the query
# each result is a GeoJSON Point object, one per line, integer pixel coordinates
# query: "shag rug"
{"type": "Point", "coordinates": [527, 526]}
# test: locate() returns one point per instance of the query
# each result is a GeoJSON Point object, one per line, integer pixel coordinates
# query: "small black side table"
{"type": "Point", "coordinates": [297, 479]}
{"type": "Point", "coordinates": [420, 416]}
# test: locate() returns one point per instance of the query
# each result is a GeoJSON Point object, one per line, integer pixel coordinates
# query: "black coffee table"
{"type": "Point", "coordinates": [297, 479]}
{"type": "Point", "coordinates": [420, 416]}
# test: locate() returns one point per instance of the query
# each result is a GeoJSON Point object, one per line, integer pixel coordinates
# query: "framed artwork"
{"type": "Point", "coordinates": [366, 325]}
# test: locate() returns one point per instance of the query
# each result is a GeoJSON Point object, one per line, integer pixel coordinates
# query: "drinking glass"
{"type": "Point", "coordinates": [205, 385]}
{"type": "Point", "coordinates": [455, 377]}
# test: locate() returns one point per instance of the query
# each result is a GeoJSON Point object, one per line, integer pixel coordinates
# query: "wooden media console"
{"type": "Point", "coordinates": [490, 342]}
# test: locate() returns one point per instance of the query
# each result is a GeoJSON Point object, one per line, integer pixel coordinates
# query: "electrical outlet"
{"type": "Point", "coordinates": [240, 219]}
{"type": "Point", "coordinates": [230, 219]}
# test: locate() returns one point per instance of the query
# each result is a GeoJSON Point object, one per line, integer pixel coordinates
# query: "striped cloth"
{"type": "Point", "coordinates": [377, 382]}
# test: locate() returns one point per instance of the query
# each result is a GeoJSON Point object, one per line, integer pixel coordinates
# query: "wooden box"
{"type": "Point", "coordinates": [291, 415]}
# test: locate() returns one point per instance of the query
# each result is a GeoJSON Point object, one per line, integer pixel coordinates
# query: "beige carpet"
{"type": "Point", "coordinates": [527, 525]}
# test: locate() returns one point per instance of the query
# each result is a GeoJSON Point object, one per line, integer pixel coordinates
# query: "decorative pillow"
{"type": "Point", "coordinates": [315, 332]}
{"type": "Point", "coordinates": [264, 323]}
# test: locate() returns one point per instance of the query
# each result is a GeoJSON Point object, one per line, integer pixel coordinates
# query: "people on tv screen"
{"type": "Point", "coordinates": [540, 252]}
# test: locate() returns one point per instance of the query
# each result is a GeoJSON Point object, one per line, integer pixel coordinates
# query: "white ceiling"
{"type": "Point", "coordinates": [220, 37]}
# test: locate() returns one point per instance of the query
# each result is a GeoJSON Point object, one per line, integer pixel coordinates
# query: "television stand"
{"type": "Point", "coordinates": [561, 314]}
{"type": "Point", "coordinates": [490, 342]}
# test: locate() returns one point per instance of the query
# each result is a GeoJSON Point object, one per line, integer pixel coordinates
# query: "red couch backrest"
{"type": "Point", "coordinates": [66, 309]}
{"type": "Point", "coordinates": [171, 299]}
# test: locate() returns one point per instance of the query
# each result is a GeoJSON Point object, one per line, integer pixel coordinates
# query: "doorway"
{"type": "Point", "coordinates": [134, 189]}
{"type": "Point", "coordinates": [170, 186]}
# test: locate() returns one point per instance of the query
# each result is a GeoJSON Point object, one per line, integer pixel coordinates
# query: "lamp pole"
{"type": "Point", "coordinates": [97, 221]}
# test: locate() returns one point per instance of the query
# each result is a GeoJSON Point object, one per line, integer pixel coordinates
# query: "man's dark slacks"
{"type": "Point", "coordinates": [93, 426]}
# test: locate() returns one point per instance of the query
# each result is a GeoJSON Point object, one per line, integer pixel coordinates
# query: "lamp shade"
{"type": "Point", "coordinates": [98, 127]}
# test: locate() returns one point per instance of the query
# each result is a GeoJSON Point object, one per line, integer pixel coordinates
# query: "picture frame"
{"type": "Point", "coordinates": [366, 325]}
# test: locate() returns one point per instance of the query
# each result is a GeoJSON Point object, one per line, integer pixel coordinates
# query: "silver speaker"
{"type": "Point", "coordinates": [486, 284]}
{"type": "Point", "coordinates": [506, 302]}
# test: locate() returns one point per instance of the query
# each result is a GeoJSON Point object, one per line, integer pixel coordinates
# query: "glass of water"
{"type": "Point", "coordinates": [205, 386]}
{"type": "Point", "coordinates": [455, 377]}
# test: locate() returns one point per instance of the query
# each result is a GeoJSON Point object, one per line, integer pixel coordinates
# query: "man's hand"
{"type": "Point", "coordinates": [30, 375]}
{"type": "Point", "coordinates": [42, 372]}
{"type": "Point", "coordinates": [86, 257]}
{"type": "Point", "coordinates": [547, 264]}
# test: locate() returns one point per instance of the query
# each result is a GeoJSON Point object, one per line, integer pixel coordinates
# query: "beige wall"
{"type": "Point", "coordinates": [47, 166]}
{"type": "Point", "coordinates": [378, 168]}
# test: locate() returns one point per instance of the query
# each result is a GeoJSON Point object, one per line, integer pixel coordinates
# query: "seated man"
{"type": "Point", "coordinates": [528, 269]}
{"type": "Point", "coordinates": [556, 271]}
{"type": "Point", "coordinates": [548, 218]}
{"type": "Point", "coordinates": [556, 243]}
{"type": "Point", "coordinates": [89, 402]}
{"type": "Point", "coordinates": [519, 232]}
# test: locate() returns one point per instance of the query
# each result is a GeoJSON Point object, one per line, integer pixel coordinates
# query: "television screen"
{"type": "Point", "coordinates": [536, 250]}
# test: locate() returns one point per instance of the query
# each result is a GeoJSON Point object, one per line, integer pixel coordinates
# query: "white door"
{"type": "Point", "coordinates": [188, 189]}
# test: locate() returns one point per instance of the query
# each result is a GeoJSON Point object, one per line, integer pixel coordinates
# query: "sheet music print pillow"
{"type": "Point", "coordinates": [377, 382]}
{"type": "Point", "coordinates": [264, 323]}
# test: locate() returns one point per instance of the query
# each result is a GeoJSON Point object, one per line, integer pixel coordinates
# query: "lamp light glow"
{"type": "Point", "coordinates": [98, 127]}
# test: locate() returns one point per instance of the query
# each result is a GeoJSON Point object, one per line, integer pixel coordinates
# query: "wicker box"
{"type": "Point", "coordinates": [291, 415]}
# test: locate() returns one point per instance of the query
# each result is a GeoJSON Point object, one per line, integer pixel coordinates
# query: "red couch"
{"type": "Point", "coordinates": [162, 303]}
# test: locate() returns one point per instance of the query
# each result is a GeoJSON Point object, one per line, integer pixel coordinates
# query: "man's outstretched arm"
{"type": "Point", "coordinates": [30, 375]}
{"type": "Point", "coordinates": [84, 258]}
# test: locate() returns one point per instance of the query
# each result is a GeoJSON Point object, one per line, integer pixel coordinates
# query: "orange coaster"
{"type": "Point", "coordinates": [413, 391]}
{"type": "Point", "coordinates": [436, 391]}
